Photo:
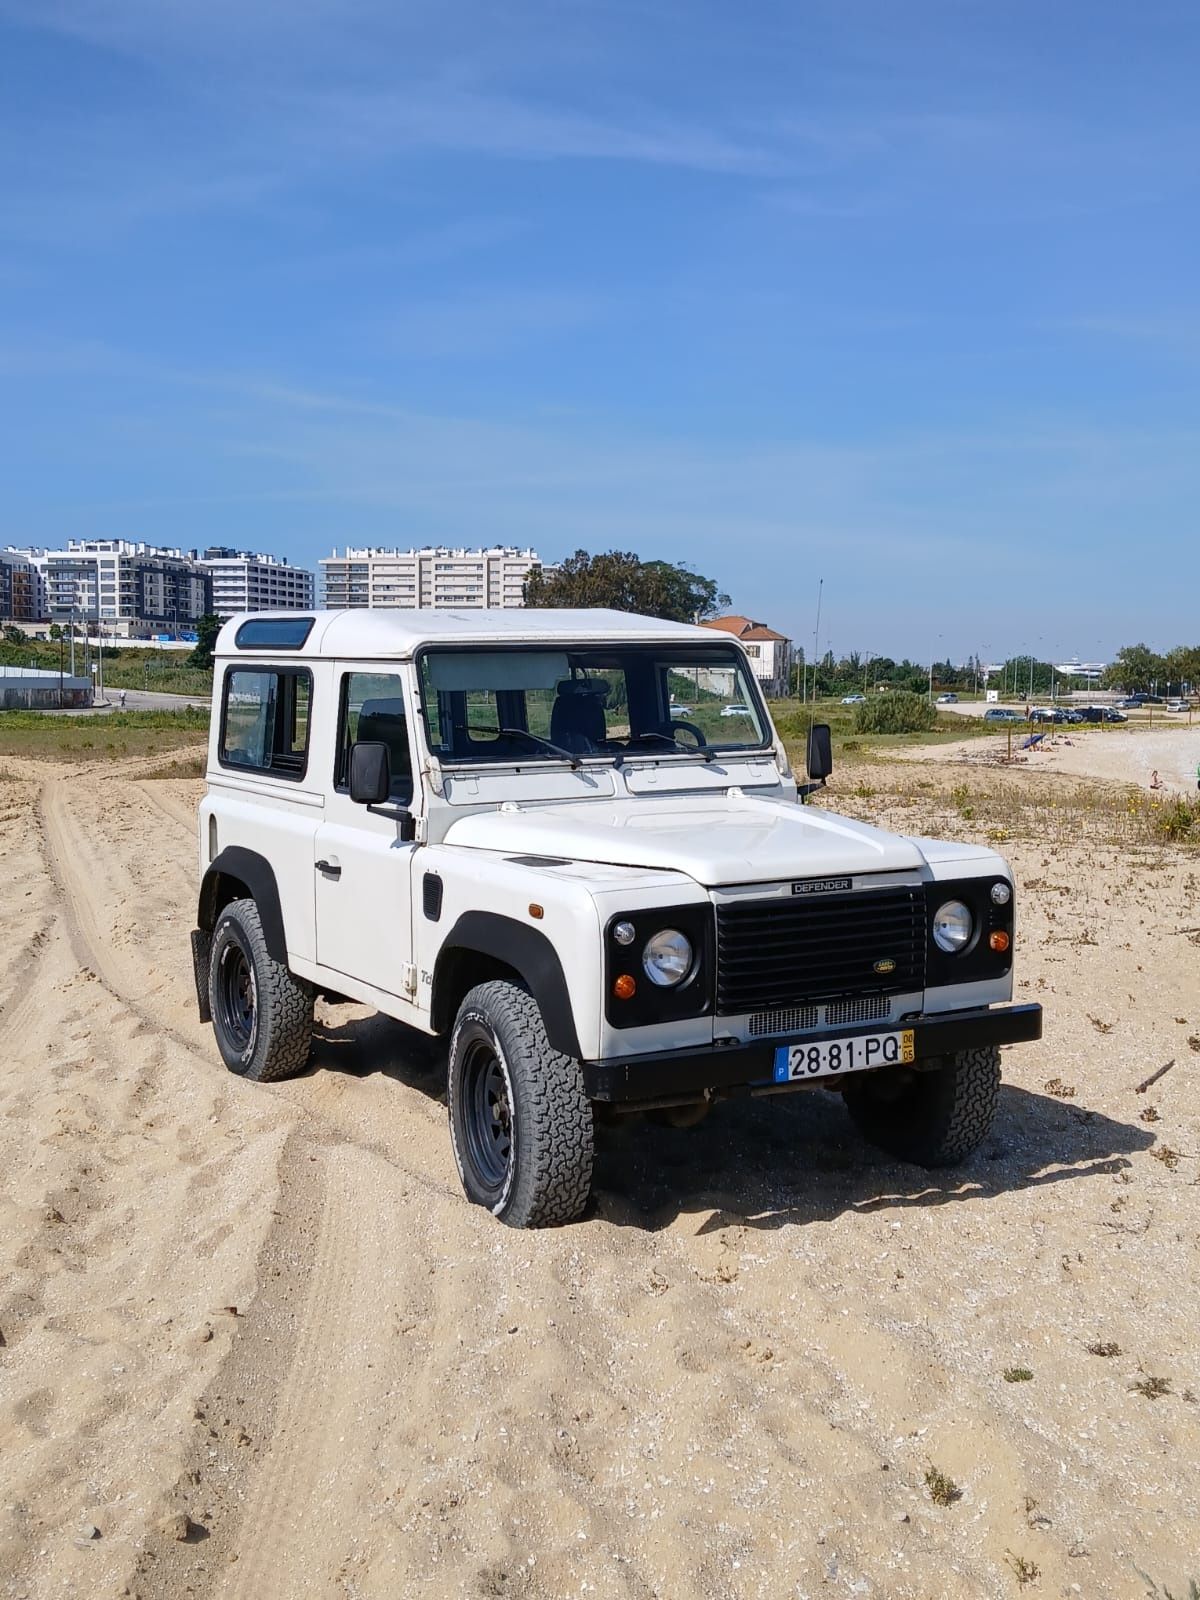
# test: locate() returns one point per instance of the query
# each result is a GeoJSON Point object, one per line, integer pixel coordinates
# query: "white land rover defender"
{"type": "Point", "coordinates": [494, 826]}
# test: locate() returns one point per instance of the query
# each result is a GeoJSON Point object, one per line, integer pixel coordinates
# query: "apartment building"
{"type": "Point", "coordinates": [129, 587]}
{"type": "Point", "coordinates": [22, 592]}
{"type": "Point", "coordinates": [244, 581]}
{"type": "Point", "coordinates": [434, 577]}
{"type": "Point", "coordinates": [770, 652]}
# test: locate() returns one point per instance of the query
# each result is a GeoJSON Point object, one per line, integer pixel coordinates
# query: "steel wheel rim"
{"type": "Point", "coordinates": [237, 997]}
{"type": "Point", "coordinates": [488, 1121]}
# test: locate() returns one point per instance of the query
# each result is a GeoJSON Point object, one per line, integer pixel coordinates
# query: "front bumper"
{"type": "Point", "coordinates": [678, 1076]}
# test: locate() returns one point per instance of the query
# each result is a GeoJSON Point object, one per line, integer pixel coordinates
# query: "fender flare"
{"type": "Point", "coordinates": [530, 953]}
{"type": "Point", "coordinates": [255, 872]}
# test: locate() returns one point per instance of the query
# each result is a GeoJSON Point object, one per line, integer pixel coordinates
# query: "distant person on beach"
{"type": "Point", "coordinates": [1155, 780]}
{"type": "Point", "coordinates": [121, 698]}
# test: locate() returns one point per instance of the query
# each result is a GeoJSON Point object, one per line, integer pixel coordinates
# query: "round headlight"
{"type": "Point", "coordinates": [624, 933]}
{"type": "Point", "coordinates": [952, 927]}
{"type": "Point", "coordinates": [667, 958]}
{"type": "Point", "coordinates": [1001, 894]}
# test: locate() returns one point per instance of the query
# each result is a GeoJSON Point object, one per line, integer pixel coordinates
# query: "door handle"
{"type": "Point", "coordinates": [329, 868]}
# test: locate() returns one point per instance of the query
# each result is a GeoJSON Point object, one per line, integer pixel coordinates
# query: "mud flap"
{"type": "Point", "coordinates": [201, 946]}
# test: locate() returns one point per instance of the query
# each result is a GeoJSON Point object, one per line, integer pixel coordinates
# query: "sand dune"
{"type": "Point", "coordinates": [270, 1311]}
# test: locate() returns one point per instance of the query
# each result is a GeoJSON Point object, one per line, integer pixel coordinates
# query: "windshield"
{"type": "Point", "coordinates": [524, 704]}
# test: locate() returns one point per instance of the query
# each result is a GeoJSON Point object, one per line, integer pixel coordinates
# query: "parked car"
{"type": "Point", "coordinates": [853, 699]}
{"type": "Point", "coordinates": [1178, 705]}
{"type": "Point", "coordinates": [1047, 714]}
{"type": "Point", "coordinates": [681, 711]}
{"type": "Point", "coordinates": [593, 916]}
{"type": "Point", "coordinates": [737, 709]}
{"type": "Point", "coordinates": [1111, 714]}
{"type": "Point", "coordinates": [1002, 714]}
{"type": "Point", "coordinates": [947, 700]}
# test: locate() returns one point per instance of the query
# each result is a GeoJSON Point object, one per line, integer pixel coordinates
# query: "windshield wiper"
{"type": "Point", "coordinates": [688, 749]}
{"type": "Point", "coordinates": [544, 744]}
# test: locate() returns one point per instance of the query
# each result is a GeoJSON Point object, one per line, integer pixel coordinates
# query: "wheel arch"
{"type": "Point", "coordinates": [236, 874]}
{"type": "Point", "coordinates": [483, 945]}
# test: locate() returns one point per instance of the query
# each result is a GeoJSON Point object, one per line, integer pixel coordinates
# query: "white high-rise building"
{"type": "Point", "coordinates": [243, 581]}
{"type": "Point", "coordinates": [128, 586]}
{"type": "Point", "coordinates": [433, 578]}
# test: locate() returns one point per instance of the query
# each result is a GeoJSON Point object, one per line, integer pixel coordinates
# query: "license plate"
{"type": "Point", "coordinates": [825, 1058]}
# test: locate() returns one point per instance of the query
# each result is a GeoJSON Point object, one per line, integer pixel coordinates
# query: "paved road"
{"type": "Point", "coordinates": [141, 700]}
{"type": "Point", "coordinates": [137, 700]}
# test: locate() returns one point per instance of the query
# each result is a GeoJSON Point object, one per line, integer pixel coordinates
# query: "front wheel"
{"type": "Point", "coordinates": [520, 1122]}
{"type": "Point", "coordinates": [934, 1118]}
{"type": "Point", "coordinates": [262, 1015]}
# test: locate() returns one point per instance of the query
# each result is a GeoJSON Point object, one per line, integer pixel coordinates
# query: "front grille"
{"type": "Point", "coordinates": [775, 954]}
{"type": "Point", "coordinates": [870, 1008]}
{"type": "Point", "coordinates": [837, 1014]}
{"type": "Point", "coordinates": [793, 1019]}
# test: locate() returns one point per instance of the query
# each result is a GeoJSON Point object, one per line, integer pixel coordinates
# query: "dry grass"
{"type": "Point", "coordinates": [996, 805]}
{"type": "Point", "coordinates": [943, 1491]}
{"type": "Point", "coordinates": [1026, 1571]}
{"type": "Point", "coordinates": [1151, 1387]}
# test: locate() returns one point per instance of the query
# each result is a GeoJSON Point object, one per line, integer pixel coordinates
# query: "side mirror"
{"type": "Point", "coordinates": [819, 760]}
{"type": "Point", "coordinates": [370, 774]}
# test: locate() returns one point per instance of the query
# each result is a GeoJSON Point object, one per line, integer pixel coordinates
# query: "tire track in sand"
{"type": "Point", "coordinates": [65, 849]}
{"type": "Point", "coordinates": [175, 811]}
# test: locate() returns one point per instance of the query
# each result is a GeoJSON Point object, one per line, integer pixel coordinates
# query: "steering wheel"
{"type": "Point", "coordinates": [674, 727]}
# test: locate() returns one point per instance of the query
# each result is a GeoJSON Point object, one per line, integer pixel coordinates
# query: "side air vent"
{"type": "Point", "coordinates": [431, 896]}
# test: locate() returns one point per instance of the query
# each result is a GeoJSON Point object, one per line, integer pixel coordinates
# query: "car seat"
{"type": "Point", "coordinates": [577, 716]}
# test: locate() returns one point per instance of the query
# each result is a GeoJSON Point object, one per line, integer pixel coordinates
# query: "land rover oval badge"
{"type": "Point", "coordinates": [886, 965]}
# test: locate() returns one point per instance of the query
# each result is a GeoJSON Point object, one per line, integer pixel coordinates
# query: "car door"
{"type": "Point", "coordinates": [362, 866]}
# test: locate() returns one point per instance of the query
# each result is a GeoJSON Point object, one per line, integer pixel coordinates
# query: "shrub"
{"type": "Point", "coordinates": [896, 712]}
{"type": "Point", "coordinates": [1177, 820]}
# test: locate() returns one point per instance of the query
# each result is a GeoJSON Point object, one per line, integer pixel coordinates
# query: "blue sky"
{"type": "Point", "coordinates": [903, 295]}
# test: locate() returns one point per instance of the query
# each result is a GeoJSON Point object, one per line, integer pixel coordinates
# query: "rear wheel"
{"type": "Point", "coordinates": [262, 1015]}
{"type": "Point", "coordinates": [520, 1122]}
{"type": "Point", "coordinates": [934, 1118]}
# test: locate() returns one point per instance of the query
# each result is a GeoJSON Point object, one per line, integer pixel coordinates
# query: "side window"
{"type": "Point", "coordinates": [372, 712]}
{"type": "Point", "coordinates": [264, 720]}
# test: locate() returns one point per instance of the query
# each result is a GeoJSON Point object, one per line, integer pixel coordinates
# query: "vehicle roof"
{"type": "Point", "coordinates": [397, 633]}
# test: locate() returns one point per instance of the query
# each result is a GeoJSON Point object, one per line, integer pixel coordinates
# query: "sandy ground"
{"type": "Point", "coordinates": [1118, 755]}
{"type": "Point", "coordinates": [270, 1312]}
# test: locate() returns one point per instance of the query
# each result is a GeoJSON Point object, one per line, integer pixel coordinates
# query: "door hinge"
{"type": "Point", "coordinates": [421, 829]}
{"type": "Point", "coordinates": [409, 978]}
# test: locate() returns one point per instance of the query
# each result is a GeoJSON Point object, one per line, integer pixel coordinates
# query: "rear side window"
{"type": "Point", "coordinates": [264, 720]}
{"type": "Point", "coordinates": [372, 710]}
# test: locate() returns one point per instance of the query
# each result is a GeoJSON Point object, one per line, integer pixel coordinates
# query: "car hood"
{"type": "Point", "coordinates": [718, 839]}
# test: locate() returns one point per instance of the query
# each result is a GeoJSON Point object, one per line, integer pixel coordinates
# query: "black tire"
{"type": "Point", "coordinates": [262, 1015]}
{"type": "Point", "coordinates": [933, 1118]}
{"type": "Point", "coordinates": [520, 1122]}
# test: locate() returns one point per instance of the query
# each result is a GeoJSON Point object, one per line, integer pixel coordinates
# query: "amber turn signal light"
{"type": "Point", "coordinates": [999, 941]}
{"type": "Point", "coordinates": [624, 988]}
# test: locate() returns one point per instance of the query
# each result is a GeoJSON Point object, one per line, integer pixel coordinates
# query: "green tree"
{"type": "Point", "coordinates": [207, 630]}
{"type": "Point", "coordinates": [15, 636]}
{"type": "Point", "coordinates": [622, 581]}
{"type": "Point", "coordinates": [1182, 667]}
{"type": "Point", "coordinates": [1135, 666]}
